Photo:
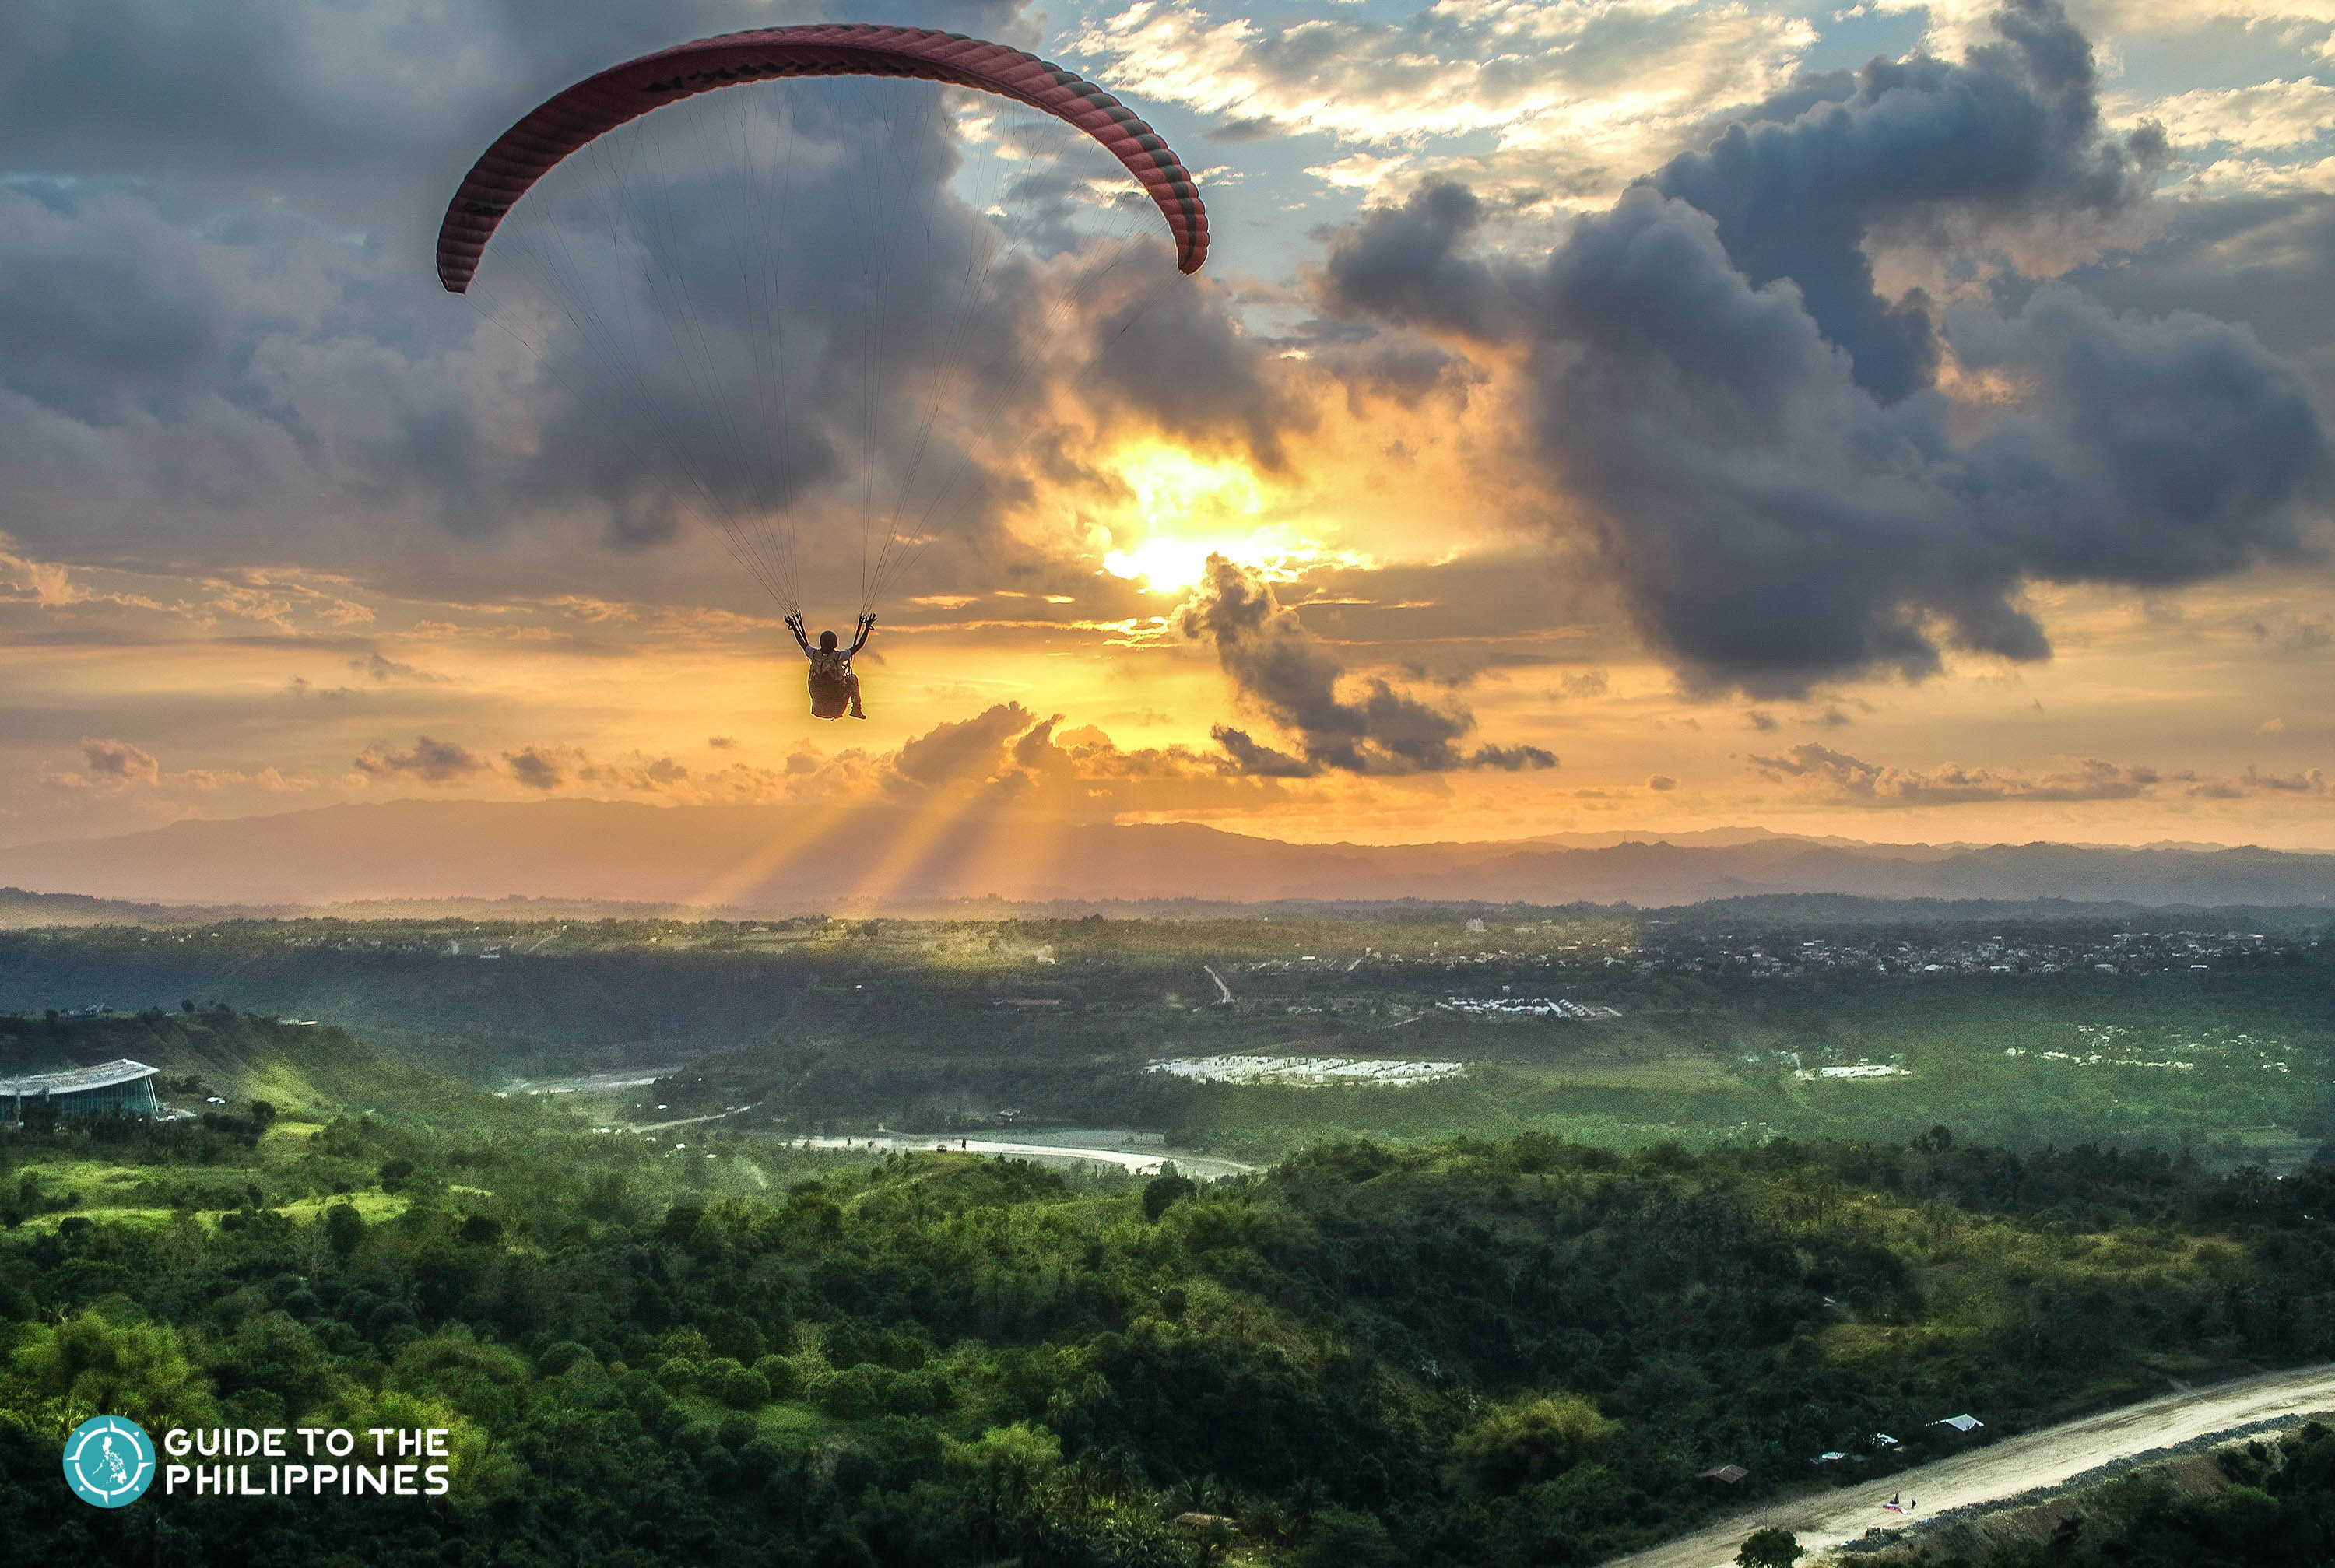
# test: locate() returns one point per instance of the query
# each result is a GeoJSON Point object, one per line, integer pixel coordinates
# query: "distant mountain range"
{"type": "Point", "coordinates": [19, 908]}
{"type": "Point", "coordinates": [784, 859]}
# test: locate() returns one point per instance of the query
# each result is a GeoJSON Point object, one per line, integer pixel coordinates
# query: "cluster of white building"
{"type": "Point", "coordinates": [1526, 1007]}
{"type": "Point", "coordinates": [1306, 1071]}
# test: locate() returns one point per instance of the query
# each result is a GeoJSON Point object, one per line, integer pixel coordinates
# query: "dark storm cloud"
{"type": "Point", "coordinates": [1852, 779]}
{"type": "Point", "coordinates": [105, 307]}
{"type": "Point", "coordinates": [1781, 506]}
{"type": "Point", "coordinates": [963, 748]}
{"type": "Point", "coordinates": [357, 110]}
{"type": "Point", "coordinates": [811, 311]}
{"type": "Point", "coordinates": [1454, 617]}
{"type": "Point", "coordinates": [2295, 636]}
{"type": "Point", "coordinates": [383, 669]}
{"type": "Point", "coordinates": [549, 767]}
{"type": "Point", "coordinates": [1805, 91]}
{"type": "Point", "coordinates": [1274, 661]}
{"type": "Point", "coordinates": [1166, 347]}
{"type": "Point", "coordinates": [1004, 756]}
{"type": "Point", "coordinates": [754, 348]}
{"type": "Point", "coordinates": [537, 767]}
{"type": "Point", "coordinates": [1410, 265]}
{"type": "Point", "coordinates": [2011, 132]}
{"type": "Point", "coordinates": [2267, 260]}
{"type": "Point", "coordinates": [1512, 758]}
{"type": "Point", "coordinates": [2168, 450]}
{"type": "Point", "coordinates": [1259, 761]}
{"type": "Point", "coordinates": [429, 762]}
{"type": "Point", "coordinates": [1237, 132]}
{"type": "Point", "coordinates": [219, 319]}
{"type": "Point", "coordinates": [120, 762]}
{"type": "Point", "coordinates": [2253, 781]}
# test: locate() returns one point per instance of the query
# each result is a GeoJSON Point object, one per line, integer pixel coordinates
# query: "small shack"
{"type": "Point", "coordinates": [1725, 1475]}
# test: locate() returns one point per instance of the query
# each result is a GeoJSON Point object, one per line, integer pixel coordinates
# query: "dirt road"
{"type": "Point", "coordinates": [2005, 1469]}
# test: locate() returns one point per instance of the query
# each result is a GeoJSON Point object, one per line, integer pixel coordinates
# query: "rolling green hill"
{"type": "Point", "coordinates": [313, 1072]}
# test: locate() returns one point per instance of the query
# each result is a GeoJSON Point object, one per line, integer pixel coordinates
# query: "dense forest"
{"type": "Point", "coordinates": [726, 1350]}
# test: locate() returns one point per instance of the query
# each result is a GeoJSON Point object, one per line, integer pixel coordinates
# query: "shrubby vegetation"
{"type": "Point", "coordinates": [1505, 1353]}
{"type": "Point", "coordinates": [2273, 1506]}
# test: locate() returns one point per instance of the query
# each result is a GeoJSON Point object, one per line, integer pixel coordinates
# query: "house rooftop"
{"type": "Point", "coordinates": [74, 1078]}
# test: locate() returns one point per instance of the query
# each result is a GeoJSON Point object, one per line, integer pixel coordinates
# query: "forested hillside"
{"type": "Point", "coordinates": [213, 1052]}
{"type": "Point", "coordinates": [438, 991]}
{"type": "Point", "coordinates": [720, 1350]}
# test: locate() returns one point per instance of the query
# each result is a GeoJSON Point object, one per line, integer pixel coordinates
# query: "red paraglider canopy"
{"type": "Point", "coordinates": [524, 153]}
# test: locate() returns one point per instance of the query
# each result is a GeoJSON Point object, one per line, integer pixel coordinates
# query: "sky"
{"type": "Point", "coordinates": [1904, 422]}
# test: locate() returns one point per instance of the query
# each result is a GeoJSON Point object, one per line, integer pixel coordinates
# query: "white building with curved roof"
{"type": "Point", "coordinates": [121, 1087]}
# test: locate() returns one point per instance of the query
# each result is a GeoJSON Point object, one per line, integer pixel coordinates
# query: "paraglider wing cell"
{"type": "Point", "coordinates": [572, 119]}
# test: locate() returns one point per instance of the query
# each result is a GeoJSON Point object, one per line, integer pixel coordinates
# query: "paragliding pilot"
{"type": "Point", "coordinates": [834, 685]}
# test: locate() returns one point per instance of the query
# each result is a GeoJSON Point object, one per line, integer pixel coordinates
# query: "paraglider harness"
{"type": "Point", "coordinates": [830, 669]}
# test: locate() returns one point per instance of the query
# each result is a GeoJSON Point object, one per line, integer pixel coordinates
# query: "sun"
{"type": "Point", "coordinates": [1185, 510]}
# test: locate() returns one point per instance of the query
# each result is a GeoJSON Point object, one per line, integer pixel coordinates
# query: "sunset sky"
{"type": "Point", "coordinates": [1903, 422]}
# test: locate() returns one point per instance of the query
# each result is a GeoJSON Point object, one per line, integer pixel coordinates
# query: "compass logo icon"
{"type": "Point", "coordinates": [109, 1461]}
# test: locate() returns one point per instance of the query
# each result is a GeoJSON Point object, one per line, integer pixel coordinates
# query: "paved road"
{"type": "Point", "coordinates": [2044, 1459]}
{"type": "Point", "coordinates": [1141, 1161]}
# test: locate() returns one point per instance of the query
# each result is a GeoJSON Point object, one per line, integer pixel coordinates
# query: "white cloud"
{"type": "Point", "coordinates": [1579, 98]}
{"type": "Point", "coordinates": [2268, 116]}
{"type": "Point", "coordinates": [2227, 177]}
{"type": "Point", "coordinates": [1359, 170]}
{"type": "Point", "coordinates": [1954, 24]}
